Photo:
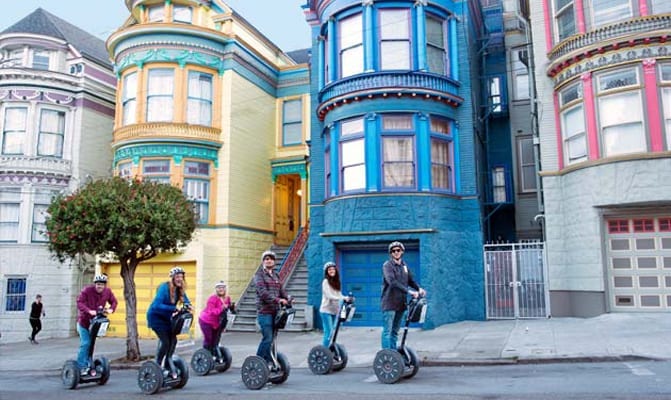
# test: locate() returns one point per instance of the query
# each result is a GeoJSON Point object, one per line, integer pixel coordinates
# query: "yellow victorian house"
{"type": "Point", "coordinates": [205, 102]}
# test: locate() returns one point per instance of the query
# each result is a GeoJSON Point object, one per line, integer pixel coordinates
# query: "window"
{"type": "Point", "coordinates": [14, 58]}
{"type": "Point", "coordinates": [572, 119]}
{"type": "Point", "coordinates": [40, 206]}
{"type": "Point", "coordinates": [125, 169]}
{"type": "Point", "coordinates": [159, 95]}
{"type": "Point", "coordinates": [441, 154]}
{"type": "Point", "coordinates": [527, 167]}
{"type": "Point", "coordinates": [197, 187]}
{"type": "Point", "coordinates": [350, 35]}
{"type": "Point", "coordinates": [41, 60]}
{"type": "Point", "coordinates": [199, 106]}
{"type": "Point", "coordinates": [499, 185]}
{"type": "Point", "coordinates": [181, 14]}
{"type": "Point", "coordinates": [436, 45]}
{"type": "Point", "coordinates": [666, 101]}
{"type": "Point", "coordinates": [292, 127]}
{"type": "Point", "coordinates": [156, 170]}
{"type": "Point", "coordinates": [620, 113]}
{"type": "Point", "coordinates": [394, 39]}
{"type": "Point", "coordinates": [564, 18]}
{"type": "Point", "coordinates": [129, 99]}
{"type": "Point", "coordinates": [14, 130]}
{"type": "Point", "coordinates": [520, 74]}
{"type": "Point", "coordinates": [398, 152]}
{"type": "Point", "coordinates": [618, 226]}
{"type": "Point", "coordinates": [156, 13]}
{"type": "Point", "coordinates": [352, 155]}
{"type": "Point", "coordinates": [495, 98]}
{"type": "Point", "coordinates": [608, 11]}
{"type": "Point", "coordinates": [10, 207]}
{"type": "Point", "coordinates": [16, 294]}
{"type": "Point", "coordinates": [52, 131]}
{"type": "Point", "coordinates": [661, 6]}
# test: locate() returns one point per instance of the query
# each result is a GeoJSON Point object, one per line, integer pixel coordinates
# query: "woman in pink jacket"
{"type": "Point", "coordinates": [211, 317]}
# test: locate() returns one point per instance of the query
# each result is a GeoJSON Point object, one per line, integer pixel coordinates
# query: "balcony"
{"type": "Point", "coordinates": [167, 130]}
{"type": "Point", "coordinates": [387, 84]}
{"type": "Point", "coordinates": [35, 165]}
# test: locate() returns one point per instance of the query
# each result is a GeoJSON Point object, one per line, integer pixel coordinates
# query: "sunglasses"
{"type": "Point", "coordinates": [397, 251]}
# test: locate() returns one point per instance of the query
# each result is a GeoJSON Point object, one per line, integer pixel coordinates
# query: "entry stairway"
{"type": "Point", "coordinates": [296, 286]}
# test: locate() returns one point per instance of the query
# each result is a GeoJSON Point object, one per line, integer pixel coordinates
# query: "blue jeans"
{"type": "Point", "coordinates": [84, 342]}
{"type": "Point", "coordinates": [328, 323]}
{"type": "Point", "coordinates": [391, 324]}
{"type": "Point", "coordinates": [266, 324]}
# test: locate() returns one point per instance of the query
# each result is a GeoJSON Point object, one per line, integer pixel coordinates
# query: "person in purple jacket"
{"type": "Point", "coordinates": [91, 298]}
{"type": "Point", "coordinates": [169, 295]}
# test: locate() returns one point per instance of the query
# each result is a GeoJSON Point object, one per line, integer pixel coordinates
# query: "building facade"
{"type": "Point", "coordinates": [603, 75]}
{"type": "Point", "coordinates": [208, 104]}
{"type": "Point", "coordinates": [57, 99]}
{"type": "Point", "coordinates": [394, 152]}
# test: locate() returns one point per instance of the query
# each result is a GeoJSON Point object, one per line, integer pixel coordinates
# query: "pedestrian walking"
{"type": "Point", "coordinates": [36, 313]}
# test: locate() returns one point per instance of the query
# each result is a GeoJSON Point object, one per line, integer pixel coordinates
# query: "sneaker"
{"type": "Point", "coordinates": [35, 342]}
{"type": "Point", "coordinates": [84, 371]}
{"type": "Point", "coordinates": [31, 340]}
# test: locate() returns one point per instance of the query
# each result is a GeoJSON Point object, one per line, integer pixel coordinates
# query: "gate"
{"type": "Point", "coordinates": [516, 281]}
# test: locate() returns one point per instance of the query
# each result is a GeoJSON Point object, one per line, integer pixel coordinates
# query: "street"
{"type": "Point", "coordinates": [616, 380]}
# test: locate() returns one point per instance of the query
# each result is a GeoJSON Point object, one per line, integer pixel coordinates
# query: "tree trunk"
{"type": "Point", "coordinates": [128, 266]}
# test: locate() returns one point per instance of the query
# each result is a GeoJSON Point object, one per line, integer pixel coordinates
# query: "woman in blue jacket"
{"type": "Point", "coordinates": [159, 315]}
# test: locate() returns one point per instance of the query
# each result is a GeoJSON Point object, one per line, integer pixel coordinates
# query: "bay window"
{"type": "Point", "coordinates": [398, 152]}
{"type": "Point", "coordinates": [160, 85]}
{"type": "Point", "coordinates": [620, 113]}
{"type": "Point", "coordinates": [350, 46]}
{"type": "Point", "coordinates": [52, 132]}
{"type": "Point", "coordinates": [14, 130]}
{"type": "Point", "coordinates": [156, 170]}
{"type": "Point", "coordinates": [352, 155]}
{"type": "Point", "coordinates": [609, 11]}
{"type": "Point", "coordinates": [394, 39]}
{"type": "Point", "coordinates": [572, 117]}
{"type": "Point", "coordinates": [441, 154]}
{"type": "Point", "coordinates": [199, 103]}
{"type": "Point", "coordinates": [436, 45]}
{"type": "Point", "coordinates": [125, 169]}
{"type": "Point", "coordinates": [129, 99]}
{"type": "Point", "coordinates": [197, 187]}
{"type": "Point", "coordinates": [564, 15]}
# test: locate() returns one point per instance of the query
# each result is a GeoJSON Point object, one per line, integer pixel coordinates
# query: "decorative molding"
{"type": "Point", "coordinates": [286, 169]}
{"type": "Point", "coordinates": [35, 165]}
{"type": "Point", "coordinates": [164, 130]}
{"type": "Point", "coordinates": [166, 150]}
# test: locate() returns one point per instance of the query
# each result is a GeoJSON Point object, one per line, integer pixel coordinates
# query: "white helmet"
{"type": "Point", "coordinates": [220, 284]}
{"type": "Point", "coordinates": [270, 254]}
{"type": "Point", "coordinates": [176, 270]}
{"type": "Point", "coordinates": [100, 279]}
{"type": "Point", "coordinates": [329, 264]}
{"type": "Point", "coordinates": [395, 244]}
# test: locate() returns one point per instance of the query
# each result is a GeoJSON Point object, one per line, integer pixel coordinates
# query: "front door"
{"type": "Point", "coordinates": [287, 208]}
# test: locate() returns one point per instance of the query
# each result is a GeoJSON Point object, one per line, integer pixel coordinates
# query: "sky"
{"type": "Point", "coordinates": [282, 21]}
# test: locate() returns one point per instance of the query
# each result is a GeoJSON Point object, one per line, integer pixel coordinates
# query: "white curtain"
{"type": "Point", "coordinates": [398, 157]}
{"type": "Point", "coordinates": [159, 96]}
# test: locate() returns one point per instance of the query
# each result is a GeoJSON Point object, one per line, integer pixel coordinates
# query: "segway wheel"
{"type": "Point", "coordinates": [202, 362]}
{"type": "Point", "coordinates": [388, 366]}
{"type": "Point", "coordinates": [70, 374]}
{"type": "Point", "coordinates": [342, 354]}
{"type": "Point", "coordinates": [413, 363]}
{"type": "Point", "coordinates": [227, 359]}
{"type": "Point", "coordinates": [254, 372]}
{"type": "Point", "coordinates": [320, 360]}
{"type": "Point", "coordinates": [150, 377]}
{"type": "Point", "coordinates": [183, 369]}
{"type": "Point", "coordinates": [102, 365]}
{"type": "Point", "coordinates": [285, 368]}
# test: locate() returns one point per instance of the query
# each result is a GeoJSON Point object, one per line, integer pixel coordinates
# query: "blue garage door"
{"type": "Point", "coordinates": [361, 274]}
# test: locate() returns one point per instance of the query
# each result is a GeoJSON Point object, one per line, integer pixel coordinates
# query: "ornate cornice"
{"type": "Point", "coordinates": [35, 95]}
{"type": "Point", "coordinates": [176, 151]}
{"type": "Point", "coordinates": [35, 166]}
{"type": "Point", "coordinates": [165, 130]}
{"type": "Point", "coordinates": [178, 56]}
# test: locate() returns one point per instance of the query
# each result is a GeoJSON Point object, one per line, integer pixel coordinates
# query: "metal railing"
{"type": "Point", "coordinates": [295, 252]}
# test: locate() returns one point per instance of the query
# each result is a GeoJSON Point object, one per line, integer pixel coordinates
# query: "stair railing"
{"type": "Point", "coordinates": [294, 254]}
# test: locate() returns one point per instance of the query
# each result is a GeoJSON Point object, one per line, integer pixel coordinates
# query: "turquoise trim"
{"type": "Point", "coordinates": [321, 64]}
{"type": "Point", "coordinates": [332, 50]}
{"type": "Point", "coordinates": [457, 157]}
{"type": "Point", "coordinates": [286, 169]}
{"type": "Point", "coordinates": [180, 57]}
{"type": "Point", "coordinates": [453, 43]}
{"type": "Point", "coordinates": [420, 23]}
{"type": "Point", "coordinates": [368, 38]}
{"type": "Point", "coordinates": [335, 157]}
{"type": "Point", "coordinates": [177, 152]}
{"type": "Point", "coordinates": [423, 153]}
{"type": "Point", "coordinates": [371, 145]}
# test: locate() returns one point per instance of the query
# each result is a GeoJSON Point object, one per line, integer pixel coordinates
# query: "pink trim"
{"type": "Point", "coordinates": [652, 104]}
{"type": "Point", "coordinates": [643, 7]}
{"type": "Point", "coordinates": [590, 116]}
{"type": "Point", "coordinates": [560, 140]}
{"type": "Point", "coordinates": [580, 13]}
{"type": "Point", "coordinates": [548, 26]}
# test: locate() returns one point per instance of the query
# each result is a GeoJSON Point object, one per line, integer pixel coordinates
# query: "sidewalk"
{"type": "Point", "coordinates": [606, 337]}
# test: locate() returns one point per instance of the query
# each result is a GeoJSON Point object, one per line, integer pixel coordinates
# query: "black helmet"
{"type": "Point", "coordinates": [395, 244]}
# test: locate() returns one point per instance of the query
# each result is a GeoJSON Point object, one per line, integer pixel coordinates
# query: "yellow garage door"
{"type": "Point", "coordinates": [147, 278]}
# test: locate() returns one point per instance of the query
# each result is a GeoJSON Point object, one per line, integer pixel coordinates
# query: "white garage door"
{"type": "Point", "coordinates": [639, 263]}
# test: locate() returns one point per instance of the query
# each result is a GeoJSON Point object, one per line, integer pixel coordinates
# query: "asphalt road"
{"type": "Point", "coordinates": [640, 380]}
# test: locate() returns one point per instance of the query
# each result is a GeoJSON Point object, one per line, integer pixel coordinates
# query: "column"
{"type": "Point", "coordinates": [423, 153]}
{"type": "Point", "coordinates": [652, 99]}
{"type": "Point", "coordinates": [335, 156]}
{"type": "Point", "coordinates": [590, 116]}
{"type": "Point", "coordinates": [321, 62]}
{"type": "Point", "coordinates": [368, 36]}
{"type": "Point", "coordinates": [332, 51]}
{"type": "Point", "coordinates": [420, 37]}
{"type": "Point", "coordinates": [371, 146]}
{"type": "Point", "coordinates": [453, 48]}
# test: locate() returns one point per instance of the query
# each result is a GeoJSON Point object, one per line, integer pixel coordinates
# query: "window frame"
{"type": "Point", "coordinates": [567, 106]}
{"type": "Point", "coordinates": [289, 123]}
{"type": "Point", "coordinates": [202, 181]}
{"type": "Point", "coordinates": [558, 13]}
{"type": "Point", "coordinates": [355, 136]}
{"type": "Point", "coordinates": [355, 48]}
{"type": "Point", "coordinates": [156, 8]}
{"type": "Point", "coordinates": [597, 10]}
{"type": "Point", "coordinates": [40, 59]}
{"type": "Point", "coordinates": [655, 6]}
{"type": "Point", "coordinates": [161, 176]}
{"type": "Point", "coordinates": [42, 199]}
{"type": "Point", "coordinates": [665, 94]}
{"type": "Point", "coordinates": [60, 136]}
{"type": "Point", "coordinates": [382, 40]}
{"type": "Point", "coordinates": [21, 295]}
{"type": "Point", "coordinates": [442, 137]}
{"type": "Point", "coordinates": [387, 134]}
{"type": "Point", "coordinates": [182, 7]}
{"type": "Point", "coordinates": [520, 71]}
{"type": "Point", "coordinates": [522, 166]}
{"type": "Point", "coordinates": [129, 101]}
{"type": "Point", "coordinates": [10, 196]}
{"type": "Point", "coordinates": [157, 94]}
{"type": "Point", "coordinates": [204, 102]}
{"type": "Point", "coordinates": [444, 49]}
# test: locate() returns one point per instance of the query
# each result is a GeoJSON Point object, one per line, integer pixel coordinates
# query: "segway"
{"type": "Point", "coordinates": [219, 357]}
{"type": "Point", "coordinates": [321, 359]}
{"type": "Point", "coordinates": [98, 369]}
{"type": "Point", "coordinates": [392, 365]}
{"type": "Point", "coordinates": [256, 371]}
{"type": "Point", "coordinates": [174, 373]}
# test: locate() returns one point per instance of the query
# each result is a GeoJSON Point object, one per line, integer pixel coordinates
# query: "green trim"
{"type": "Point", "coordinates": [180, 57]}
{"type": "Point", "coordinates": [177, 152]}
{"type": "Point", "coordinates": [286, 169]}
